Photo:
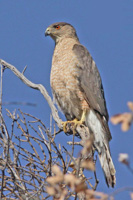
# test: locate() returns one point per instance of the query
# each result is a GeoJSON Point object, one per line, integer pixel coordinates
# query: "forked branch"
{"type": "Point", "coordinates": [36, 87]}
{"type": "Point", "coordinates": [82, 131]}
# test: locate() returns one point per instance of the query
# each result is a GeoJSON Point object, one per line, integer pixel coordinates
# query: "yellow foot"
{"type": "Point", "coordinates": [76, 123]}
{"type": "Point", "coordinates": [67, 122]}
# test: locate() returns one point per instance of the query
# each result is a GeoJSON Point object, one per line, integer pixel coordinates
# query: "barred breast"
{"type": "Point", "coordinates": [63, 80]}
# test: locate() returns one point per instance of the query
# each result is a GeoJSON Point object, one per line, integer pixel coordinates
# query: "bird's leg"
{"type": "Point", "coordinates": [82, 120]}
{"type": "Point", "coordinates": [75, 121]}
{"type": "Point", "coordinates": [83, 117]}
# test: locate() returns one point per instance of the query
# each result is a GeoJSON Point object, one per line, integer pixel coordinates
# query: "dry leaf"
{"type": "Point", "coordinates": [89, 194]}
{"type": "Point", "coordinates": [69, 178]}
{"type": "Point", "coordinates": [131, 194]}
{"type": "Point", "coordinates": [80, 187]}
{"type": "Point", "coordinates": [88, 164]}
{"type": "Point", "coordinates": [93, 195]}
{"type": "Point", "coordinates": [56, 170]}
{"type": "Point", "coordinates": [125, 119]}
{"type": "Point", "coordinates": [28, 164]}
{"type": "Point", "coordinates": [75, 183]}
{"type": "Point", "coordinates": [71, 181]}
{"type": "Point", "coordinates": [87, 147]}
{"type": "Point", "coordinates": [130, 105]}
{"type": "Point", "coordinates": [72, 165]}
{"type": "Point", "coordinates": [51, 191]}
{"type": "Point", "coordinates": [63, 194]}
{"type": "Point", "coordinates": [55, 179]}
{"type": "Point", "coordinates": [124, 158]}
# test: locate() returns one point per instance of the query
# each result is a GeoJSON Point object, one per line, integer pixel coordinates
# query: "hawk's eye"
{"type": "Point", "coordinates": [57, 27]}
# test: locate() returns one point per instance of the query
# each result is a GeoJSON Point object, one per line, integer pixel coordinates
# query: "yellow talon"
{"type": "Point", "coordinates": [64, 126]}
{"type": "Point", "coordinates": [75, 121]}
{"type": "Point", "coordinates": [67, 122]}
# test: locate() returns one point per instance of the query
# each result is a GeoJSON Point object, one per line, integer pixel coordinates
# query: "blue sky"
{"type": "Point", "coordinates": [104, 27]}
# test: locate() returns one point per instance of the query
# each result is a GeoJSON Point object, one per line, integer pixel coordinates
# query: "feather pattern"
{"type": "Point", "coordinates": [77, 86]}
{"type": "Point", "coordinates": [102, 146]}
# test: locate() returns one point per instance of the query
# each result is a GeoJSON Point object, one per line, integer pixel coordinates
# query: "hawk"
{"type": "Point", "coordinates": [77, 88]}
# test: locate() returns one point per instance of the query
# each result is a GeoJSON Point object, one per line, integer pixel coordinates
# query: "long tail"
{"type": "Point", "coordinates": [101, 143]}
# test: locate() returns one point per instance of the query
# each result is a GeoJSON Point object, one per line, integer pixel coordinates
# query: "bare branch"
{"type": "Point", "coordinates": [24, 69]}
{"type": "Point", "coordinates": [82, 131]}
{"type": "Point", "coordinates": [32, 151]}
{"type": "Point", "coordinates": [37, 87]}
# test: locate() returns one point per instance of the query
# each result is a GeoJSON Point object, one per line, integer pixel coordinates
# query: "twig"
{"type": "Point", "coordinates": [95, 175]}
{"type": "Point", "coordinates": [96, 181]}
{"type": "Point", "coordinates": [81, 130]}
{"type": "Point", "coordinates": [130, 169]}
{"type": "Point", "coordinates": [75, 164]}
{"type": "Point", "coordinates": [1, 89]}
{"type": "Point", "coordinates": [1, 125]}
{"type": "Point", "coordinates": [24, 69]}
{"type": "Point", "coordinates": [49, 150]}
{"type": "Point", "coordinates": [36, 192]}
{"type": "Point", "coordinates": [37, 87]}
{"type": "Point", "coordinates": [17, 178]}
{"type": "Point", "coordinates": [6, 146]}
{"type": "Point", "coordinates": [75, 143]}
{"type": "Point", "coordinates": [60, 156]}
{"type": "Point", "coordinates": [30, 174]}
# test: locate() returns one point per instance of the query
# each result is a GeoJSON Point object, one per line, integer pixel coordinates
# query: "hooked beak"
{"type": "Point", "coordinates": [47, 32]}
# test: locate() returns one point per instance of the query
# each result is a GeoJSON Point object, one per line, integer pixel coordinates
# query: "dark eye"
{"type": "Point", "coordinates": [57, 27]}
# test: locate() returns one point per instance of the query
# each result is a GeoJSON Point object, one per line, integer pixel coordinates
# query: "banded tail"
{"type": "Point", "coordinates": [101, 143]}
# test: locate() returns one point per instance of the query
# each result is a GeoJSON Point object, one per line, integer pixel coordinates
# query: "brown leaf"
{"type": "Point", "coordinates": [50, 190]}
{"type": "Point", "coordinates": [88, 164]}
{"type": "Point", "coordinates": [130, 105]}
{"type": "Point", "coordinates": [124, 158]}
{"type": "Point", "coordinates": [72, 165]}
{"type": "Point", "coordinates": [56, 170]}
{"type": "Point", "coordinates": [90, 194]}
{"type": "Point", "coordinates": [63, 194]}
{"type": "Point", "coordinates": [80, 187]}
{"type": "Point", "coordinates": [87, 147]}
{"type": "Point", "coordinates": [55, 179]}
{"type": "Point", "coordinates": [93, 195]}
{"type": "Point", "coordinates": [125, 119]}
{"type": "Point", "coordinates": [131, 195]}
{"type": "Point", "coordinates": [71, 181]}
{"type": "Point", "coordinates": [28, 164]}
{"type": "Point", "coordinates": [69, 178]}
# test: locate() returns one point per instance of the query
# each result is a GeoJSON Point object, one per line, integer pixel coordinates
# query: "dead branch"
{"type": "Point", "coordinates": [82, 131]}
{"type": "Point", "coordinates": [26, 171]}
{"type": "Point", "coordinates": [36, 87]}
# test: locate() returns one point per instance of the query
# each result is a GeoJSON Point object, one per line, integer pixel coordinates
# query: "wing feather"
{"type": "Point", "coordinates": [90, 80]}
{"type": "Point", "coordinates": [90, 83]}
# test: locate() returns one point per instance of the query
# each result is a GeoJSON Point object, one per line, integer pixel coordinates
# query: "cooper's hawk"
{"type": "Point", "coordinates": [78, 90]}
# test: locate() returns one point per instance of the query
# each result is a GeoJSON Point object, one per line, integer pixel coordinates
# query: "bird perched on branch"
{"type": "Point", "coordinates": [77, 88]}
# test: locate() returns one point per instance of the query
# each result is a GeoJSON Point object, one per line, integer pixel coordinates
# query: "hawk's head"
{"type": "Point", "coordinates": [60, 30]}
